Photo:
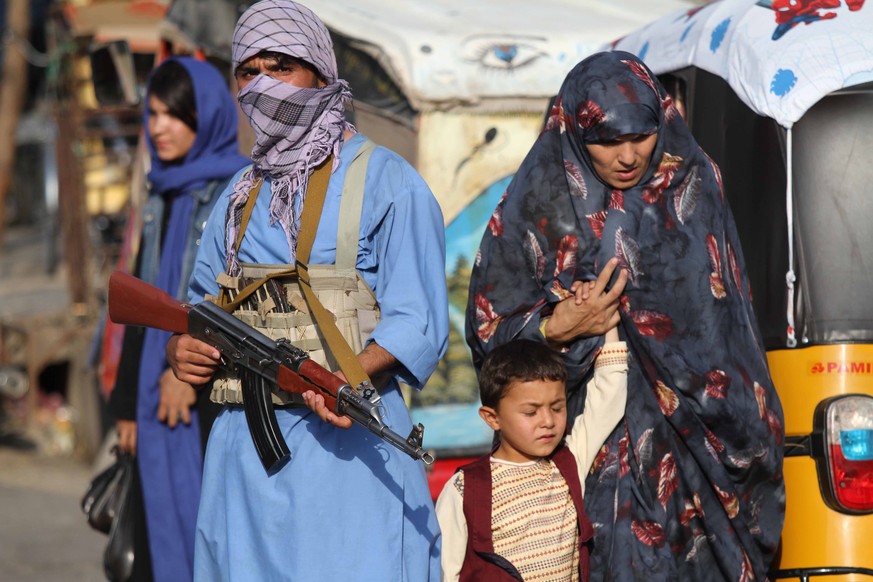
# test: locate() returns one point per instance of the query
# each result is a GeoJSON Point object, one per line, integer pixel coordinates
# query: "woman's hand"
{"type": "Point", "coordinates": [193, 361]}
{"type": "Point", "coordinates": [591, 311]}
{"type": "Point", "coordinates": [126, 435]}
{"type": "Point", "coordinates": [177, 398]}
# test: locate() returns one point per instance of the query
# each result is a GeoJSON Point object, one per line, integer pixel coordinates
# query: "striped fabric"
{"type": "Point", "coordinates": [533, 520]}
{"type": "Point", "coordinates": [611, 355]}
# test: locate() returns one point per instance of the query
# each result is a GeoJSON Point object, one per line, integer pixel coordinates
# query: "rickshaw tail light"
{"type": "Point", "coordinates": [853, 480]}
{"type": "Point", "coordinates": [846, 473]}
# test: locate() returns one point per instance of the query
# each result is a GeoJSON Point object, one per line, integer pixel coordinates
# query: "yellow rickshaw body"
{"type": "Point", "coordinates": [815, 535]}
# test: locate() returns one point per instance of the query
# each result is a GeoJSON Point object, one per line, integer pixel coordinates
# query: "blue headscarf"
{"type": "Point", "coordinates": [689, 486]}
{"type": "Point", "coordinates": [215, 152]}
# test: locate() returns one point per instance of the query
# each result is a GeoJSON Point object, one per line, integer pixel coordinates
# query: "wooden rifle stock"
{"type": "Point", "coordinates": [130, 296]}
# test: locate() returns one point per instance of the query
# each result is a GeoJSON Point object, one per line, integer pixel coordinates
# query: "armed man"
{"type": "Point", "coordinates": [324, 235]}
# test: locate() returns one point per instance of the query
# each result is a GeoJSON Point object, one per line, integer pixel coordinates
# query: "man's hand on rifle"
{"type": "Point", "coordinates": [193, 361]}
{"type": "Point", "coordinates": [316, 403]}
{"type": "Point", "coordinates": [375, 360]}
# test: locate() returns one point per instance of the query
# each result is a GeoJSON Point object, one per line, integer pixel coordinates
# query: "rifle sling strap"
{"type": "Point", "coordinates": [313, 205]}
{"type": "Point", "coordinates": [339, 347]}
{"type": "Point", "coordinates": [247, 211]}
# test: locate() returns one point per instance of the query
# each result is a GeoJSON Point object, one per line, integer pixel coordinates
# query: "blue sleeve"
{"type": "Point", "coordinates": [408, 244]}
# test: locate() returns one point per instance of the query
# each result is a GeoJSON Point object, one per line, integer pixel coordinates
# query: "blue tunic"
{"type": "Point", "coordinates": [347, 503]}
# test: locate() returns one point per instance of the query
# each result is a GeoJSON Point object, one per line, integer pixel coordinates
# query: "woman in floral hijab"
{"type": "Point", "coordinates": [689, 486]}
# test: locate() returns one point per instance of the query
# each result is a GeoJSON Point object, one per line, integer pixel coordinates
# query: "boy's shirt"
{"type": "Point", "coordinates": [604, 408]}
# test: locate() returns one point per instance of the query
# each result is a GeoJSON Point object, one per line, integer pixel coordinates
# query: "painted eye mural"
{"type": "Point", "coordinates": [503, 53]}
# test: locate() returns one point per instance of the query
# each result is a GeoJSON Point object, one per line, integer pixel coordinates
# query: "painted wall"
{"type": "Point", "coordinates": [468, 159]}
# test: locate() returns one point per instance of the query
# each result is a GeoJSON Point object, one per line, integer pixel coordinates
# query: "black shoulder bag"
{"type": "Point", "coordinates": [107, 504]}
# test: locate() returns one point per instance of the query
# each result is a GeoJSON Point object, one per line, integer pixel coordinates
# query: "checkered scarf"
{"type": "Point", "coordinates": [296, 128]}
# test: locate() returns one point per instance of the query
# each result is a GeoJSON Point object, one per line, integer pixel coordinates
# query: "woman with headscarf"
{"type": "Point", "coordinates": [191, 132]}
{"type": "Point", "coordinates": [689, 486]}
{"type": "Point", "coordinates": [346, 505]}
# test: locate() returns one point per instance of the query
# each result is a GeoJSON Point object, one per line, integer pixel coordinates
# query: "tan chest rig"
{"type": "Point", "coordinates": [327, 310]}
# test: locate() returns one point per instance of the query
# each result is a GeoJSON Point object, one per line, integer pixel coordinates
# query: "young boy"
{"type": "Point", "coordinates": [517, 514]}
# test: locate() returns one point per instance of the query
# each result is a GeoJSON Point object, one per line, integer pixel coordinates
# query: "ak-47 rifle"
{"type": "Point", "coordinates": [259, 361]}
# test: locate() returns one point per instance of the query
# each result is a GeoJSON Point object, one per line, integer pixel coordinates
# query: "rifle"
{"type": "Point", "coordinates": [260, 362]}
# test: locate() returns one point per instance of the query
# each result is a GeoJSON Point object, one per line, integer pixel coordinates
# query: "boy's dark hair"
{"type": "Point", "coordinates": [171, 84]}
{"type": "Point", "coordinates": [520, 360]}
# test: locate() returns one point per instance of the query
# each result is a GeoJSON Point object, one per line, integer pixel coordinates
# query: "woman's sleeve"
{"type": "Point", "coordinates": [210, 258]}
{"type": "Point", "coordinates": [450, 514]}
{"type": "Point", "coordinates": [577, 355]}
{"type": "Point", "coordinates": [122, 400]}
{"type": "Point", "coordinates": [604, 406]}
{"type": "Point", "coordinates": [409, 246]}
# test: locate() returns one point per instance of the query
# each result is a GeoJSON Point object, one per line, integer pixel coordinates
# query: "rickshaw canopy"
{"type": "Point", "coordinates": [779, 56]}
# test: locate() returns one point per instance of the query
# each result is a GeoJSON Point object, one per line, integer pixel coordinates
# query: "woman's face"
{"type": "Point", "coordinates": [171, 137]}
{"type": "Point", "coordinates": [621, 163]}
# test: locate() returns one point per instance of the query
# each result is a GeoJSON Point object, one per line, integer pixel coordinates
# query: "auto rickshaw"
{"type": "Point", "coordinates": [781, 96]}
